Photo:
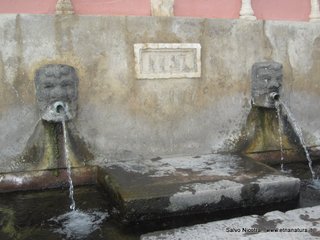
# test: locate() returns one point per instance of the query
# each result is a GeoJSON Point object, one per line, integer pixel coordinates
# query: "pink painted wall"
{"type": "Point", "coordinates": [92, 7]}
{"type": "Point", "coordinates": [282, 9]}
{"type": "Point", "coordinates": [264, 9]}
{"type": "Point", "coordinates": [28, 6]}
{"type": "Point", "coordinates": [112, 7]}
{"type": "Point", "coordinates": [208, 8]}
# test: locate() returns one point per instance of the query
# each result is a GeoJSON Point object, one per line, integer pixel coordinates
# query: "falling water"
{"type": "Point", "coordinates": [76, 224]}
{"type": "Point", "coordinates": [280, 128]}
{"type": "Point", "coordinates": [66, 151]}
{"type": "Point", "coordinates": [298, 131]}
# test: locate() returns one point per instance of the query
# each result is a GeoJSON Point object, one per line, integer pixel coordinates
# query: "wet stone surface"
{"type": "Point", "coordinates": [45, 215]}
{"type": "Point", "coordinates": [301, 224]}
{"type": "Point", "coordinates": [169, 195]}
{"type": "Point", "coordinates": [309, 192]}
{"type": "Point", "coordinates": [162, 187]}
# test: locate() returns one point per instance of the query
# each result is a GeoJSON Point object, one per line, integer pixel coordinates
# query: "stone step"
{"type": "Point", "coordinates": [303, 223]}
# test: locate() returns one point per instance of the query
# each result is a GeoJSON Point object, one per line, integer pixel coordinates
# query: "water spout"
{"type": "Point", "coordinates": [274, 96]}
{"type": "Point", "coordinates": [57, 112]}
{"type": "Point", "coordinates": [266, 83]}
{"type": "Point", "coordinates": [57, 92]}
{"type": "Point", "coordinates": [59, 107]}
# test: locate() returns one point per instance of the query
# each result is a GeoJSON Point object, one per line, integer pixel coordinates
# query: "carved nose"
{"type": "Point", "coordinates": [274, 83]}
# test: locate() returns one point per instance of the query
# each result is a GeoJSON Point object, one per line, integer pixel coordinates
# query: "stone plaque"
{"type": "Point", "coordinates": [167, 60]}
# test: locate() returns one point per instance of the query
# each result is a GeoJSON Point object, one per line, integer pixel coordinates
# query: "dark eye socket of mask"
{"type": "Point", "coordinates": [48, 86]}
{"type": "Point", "coordinates": [67, 84]}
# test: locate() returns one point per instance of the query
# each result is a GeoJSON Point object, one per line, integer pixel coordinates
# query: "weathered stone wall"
{"type": "Point", "coordinates": [119, 114]}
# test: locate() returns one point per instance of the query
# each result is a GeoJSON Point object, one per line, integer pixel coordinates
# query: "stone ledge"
{"type": "Point", "coordinates": [168, 187]}
{"type": "Point", "coordinates": [297, 224]}
{"type": "Point", "coordinates": [175, 186]}
{"type": "Point", "coordinates": [45, 179]}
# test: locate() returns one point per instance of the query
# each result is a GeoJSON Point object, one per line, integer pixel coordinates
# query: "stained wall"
{"type": "Point", "coordinates": [121, 114]}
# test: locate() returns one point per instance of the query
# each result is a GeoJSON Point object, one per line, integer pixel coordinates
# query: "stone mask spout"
{"type": "Point", "coordinates": [266, 84]}
{"type": "Point", "coordinates": [57, 92]}
{"type": "Point", "coordinates": [60, 107]}
{"type": "Point", "coordinates": [274, 96]}
{"type": "Point", "coordinates": [57, 112]}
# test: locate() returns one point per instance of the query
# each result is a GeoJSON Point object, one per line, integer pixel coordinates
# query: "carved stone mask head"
{"type": "Point", "coordinates": [57, 92]}
{"type": "Point", "coordinates": [266, 83]}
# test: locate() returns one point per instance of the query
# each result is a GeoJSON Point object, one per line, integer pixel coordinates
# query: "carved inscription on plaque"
{"type": "Point", "coordinates": [167, 60]}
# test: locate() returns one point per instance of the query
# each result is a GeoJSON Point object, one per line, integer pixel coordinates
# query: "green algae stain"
{"type": "Point", "coordinates": [7, 220]}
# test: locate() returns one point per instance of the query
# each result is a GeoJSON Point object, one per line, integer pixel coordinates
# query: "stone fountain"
{"type": "Point", "coordinates": [262, 130]}
{"type": "Point", "coordinates": [184, 185]}
{"type": "Point", "coordinates": [158, 187]}
{"type": "Point", "coordinates": [159, 112]}
{"type": "Point", "coordinates": [44, 155]}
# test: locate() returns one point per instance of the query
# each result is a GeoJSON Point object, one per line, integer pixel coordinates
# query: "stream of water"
{"type": "Point", "coordinates": [299, 133]}
{"type": "Point", "coordinates": [280, 129]}
{"type": "Point", "coordinates": [66, 154]}
{"type": "Point", "coordinates": [76, 224]}
{"type": "Point", "coordinates": [315, 183]}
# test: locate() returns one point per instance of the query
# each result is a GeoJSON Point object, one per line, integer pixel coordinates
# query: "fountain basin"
{"type": "Point", "coordinates": [166, 187]}
{"type": "Point", "coordinates": [186, 185]}
{"type": "Point", "coordinates": [29, 212]}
